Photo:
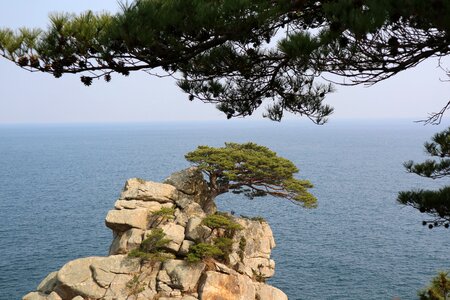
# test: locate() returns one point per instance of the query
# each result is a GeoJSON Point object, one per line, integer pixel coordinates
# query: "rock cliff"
{"type": "Point", "coordinates": [170, 243]}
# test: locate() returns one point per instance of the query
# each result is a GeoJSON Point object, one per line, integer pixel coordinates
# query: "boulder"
{"type": "Point", "coordinates": [105, 271]}
{"type": "Point", "coordinates": [189, 297]}
{"type": "Point", "coordinates": [219, 286]}
{"type": "Point", "coordinates": [54, 296]}
{"type": "Point", "coordinates": [221, 268]}
{"type": "Point", "coordinates": [190, 183]}
{"type": "Point", "coordinates": [118, 245]}
{"type": "Point", "coordinates": [145, 295]}
{"type": "Point", "coordinates": [174, 233]}
{"type": "Point", "coordinates": [187, 211]}
{"type": "Point", "coordinates": [183, 275]}
{"type": "Point", "coordinates": [134, 238]}
{"type": "Point", "coordinates": [254, 259]}
{"type": "Point", "coordinates": [151, 206]}
{"type": "Point", "coordinates": [163, 287]}
{"type": "Point", "coordinates": [195, 231]}
{"type": "Point", "coordinates": [148, 277]}
{"type": "Point", "coordinates": [180, 217]}
{"type": "Point", "coordinates": [176, 294]}
{"type": "Point", "coordinates": [93, 277]}
{"type": "Point", "coordinates": [267, 292]}
{"type": "Point", "coordinates": [259, 237]}
{"type": "Point", "coordinates": [126, 241]}
{"type": "Point", "coordinates": [48, 284]}
{"type": "Point", "coordinates": [117, 288]}
{"type": "Point", "coordinates": [124, 219]}
{"type": "Point", "coordinates": [164, 277]}
{"type": "Point", "coordinates": [193, 209]}
{"type": "Point", "coordinates": [184, 249]}
{"type": "Point", "coordinates": [138, 189]}
{"type": "Point", "coordinates": [257, 266]}
{"type": "Point", "coordinates": [35, 296]}
{"type": "Point", "coordinates": [76, 279]}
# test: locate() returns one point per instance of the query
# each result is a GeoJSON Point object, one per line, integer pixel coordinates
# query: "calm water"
{"type": "Point", "coordinates": [58, 182]}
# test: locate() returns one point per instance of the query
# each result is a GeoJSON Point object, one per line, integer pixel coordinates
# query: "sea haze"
{"type": "Point", "coordinates": [59, 181]}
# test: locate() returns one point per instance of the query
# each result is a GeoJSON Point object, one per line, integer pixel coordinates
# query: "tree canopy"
{"type": "Point", "coordinates": [439, 288]}
{"type": "Point", "coordinates": [434, 203]}
{"type": "Point", "coordinates": [253, 170]}
{"type": "Point", "coordinates": [223, 52]}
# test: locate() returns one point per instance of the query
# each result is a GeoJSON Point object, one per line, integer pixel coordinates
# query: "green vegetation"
{"type": "Point", "coordinates": [222, 246]}
{"type": "Point", "coordinates": [242, 244]}
{"type": "Point", "coordinates": [160, 256]}
{"type": "Point", "coordinates": [224, 53]}
{"type": "Point", "coordinates": [140, 180]}
{"type": "Point", "coordinates": [439, 288]}
{"type": "Point", "coordinates": [434, 203]}
{"type": "Point", "coordinates": [201, 251]}
{"type": "Point", "coordinates": [152, 248]}
{"type": "Point", "coordinates": [221, 221]}
{"type": "Point", "coordinates": [135, 286]}
{"type": "Point", "coordinates": [220, 249]}
{"type": "Point", "coordinates": [166, 212]}
{"type": "Point", "coordinates": [155, 241]}
{"type": "Point", "coordinates": [258, 276]}
{"type": "Point", "coordinates": [160, 216]}
{"type": "Point", "coordinates": [225, 245]}
{"type": "Point", "coordinates": [252, 170]}
{"type": "Point", "coordinates": [256, 218]}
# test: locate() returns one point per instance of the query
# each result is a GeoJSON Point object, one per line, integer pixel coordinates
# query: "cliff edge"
{"type": "Point", "coordinates": [170, 243]}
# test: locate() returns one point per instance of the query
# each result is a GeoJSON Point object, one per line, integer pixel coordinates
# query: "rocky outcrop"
{"type": "Point", "coordinates": [177, 210]}
{"type": "Point", "coordinates": [192, 188]}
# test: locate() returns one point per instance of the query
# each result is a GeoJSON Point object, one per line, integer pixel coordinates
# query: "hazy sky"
{"type": "Point", "coordinates": [39, 98]}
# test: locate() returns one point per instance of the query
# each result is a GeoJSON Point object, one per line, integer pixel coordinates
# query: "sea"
{"type": "Point", "coordinates": [58, 181]}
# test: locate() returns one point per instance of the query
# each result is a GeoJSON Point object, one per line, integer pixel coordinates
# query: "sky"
{"type": "Point", "coordinates": [40, 98]}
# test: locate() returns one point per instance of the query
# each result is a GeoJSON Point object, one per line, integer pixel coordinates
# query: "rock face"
{"type": "Point", "coordinates": [193, 188]}
{"type": "Point", "coordinates": [177, 208]}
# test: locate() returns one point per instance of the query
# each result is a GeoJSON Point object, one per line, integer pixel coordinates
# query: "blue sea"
{"type": "Point", "coordinates": [57, 183]}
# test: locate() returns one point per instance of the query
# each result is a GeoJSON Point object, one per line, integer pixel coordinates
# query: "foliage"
{"type": "Point", "coordinates": [220, 249]}
{"type": "Point", "coordinates": [223, 53]}
{"type": "Point", "coordinates": [439, 288]}
{"type": "Point", "coordinates": [434, 203]}
{"type": "Point", "coordinates": [256, 218]}
{"type": "Point", "coordinates": [242, 245]}
{"type": "Point", "coordinates": [212, 48]}
{"type": "Point", "coordinates": [140, 180]}
{"type": "Point", "coordinates": [221, 221]}
{"type": "Point", "coordinates": [439, 147]}
{"type": "Point", "coordinates": [162, 215]}
{"type": "Point", "coordinates": [155, 241]}
{"type": "Point", "coordinates": [159, 255]}
{"type": "Point", "coordinates": [201, 251]}
{"type": "Point", "coordinates": [166, 212]}
{"type": "Point", "coordinates": [135, 286]}
{"type": "Point", "coordinates": [258, 276]}
{"type": "Point", "coordinates": [251, 169]}
{"type": "Point", "coordinates": [153, 247]}
{"type": "Point", "coordinates": [225, 245]}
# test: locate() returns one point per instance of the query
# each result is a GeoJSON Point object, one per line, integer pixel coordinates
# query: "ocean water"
{"type": "Point", "coordinates": [57, 183]}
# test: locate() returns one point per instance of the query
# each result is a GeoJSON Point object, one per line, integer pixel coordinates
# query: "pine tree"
{"type": "Point", "coordinates": [253, 170]}
{"type": "Point", "coordinates": [434, 203]}
{"type": "Point", "coordinates": [439, 289]}
{"type": "Point", "coordinates": [221, 51]}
